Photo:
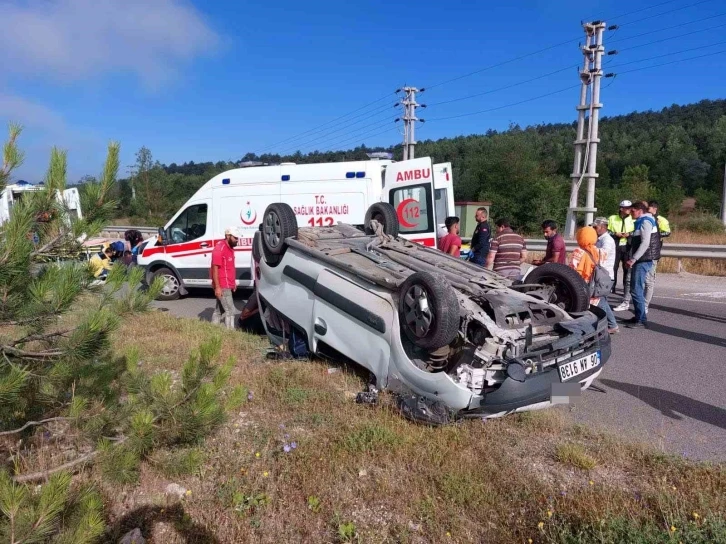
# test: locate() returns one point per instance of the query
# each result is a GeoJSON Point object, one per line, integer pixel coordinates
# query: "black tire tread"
{"type": "Point", "coordinates": [391, 225]}
{"type": "Point", "coordinates": [567, 275]}
{"type": "Point", "coordinates": [288, 225]}
{"type": "Point", "coordinates": [445, 307]}
{"type": "Point", "coordinates": [256, 256]}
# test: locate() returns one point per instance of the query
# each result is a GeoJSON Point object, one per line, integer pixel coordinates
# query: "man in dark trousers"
{"type": "Point", "coordinates": [481, 238]}
{"type": "Point", "coordinates": [644, 250]}
{"type": "Point", "coordinates": [621, 226]}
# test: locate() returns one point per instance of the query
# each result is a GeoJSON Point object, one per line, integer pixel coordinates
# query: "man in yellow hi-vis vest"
{"type": "Point", "coordinates": [621, 227]}
{"type": "Point", "coordinates": [664, 229]}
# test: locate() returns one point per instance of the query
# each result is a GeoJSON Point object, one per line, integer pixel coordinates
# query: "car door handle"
{"type": "Point", "coordinates": [204, 244]}
{"type": "Point", "coordinates": [321, 327]}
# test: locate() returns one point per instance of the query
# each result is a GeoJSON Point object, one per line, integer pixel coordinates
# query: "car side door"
{"type": "Point", "coordinates": [354, 321]}
{"type": "Point", "coordinates": [190, 243]}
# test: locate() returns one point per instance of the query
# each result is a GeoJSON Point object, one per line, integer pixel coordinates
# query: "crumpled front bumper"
{"type": "Point", "coordinates": [537, 388]}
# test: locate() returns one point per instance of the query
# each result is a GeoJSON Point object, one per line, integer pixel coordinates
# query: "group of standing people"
{"type": "Point", "coordinates": [630, 240]}
{"type": "Point", "coordinates": [504, 252]}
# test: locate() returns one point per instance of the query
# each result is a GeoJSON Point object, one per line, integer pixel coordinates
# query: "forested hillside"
{"type": "Point", "coordinates": [676, 152]}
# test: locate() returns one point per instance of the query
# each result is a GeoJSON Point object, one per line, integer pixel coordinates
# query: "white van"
{"type": "Point", "coordinates": [320, 194]}
{"type": "Point", "coordinates": [13, 194]}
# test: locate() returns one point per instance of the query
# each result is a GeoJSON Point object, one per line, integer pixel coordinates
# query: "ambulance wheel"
{"type": "Point", "coordinates": [428, 310]}
{"type": "Point", "coordinates": [171, 287]}
{"type": "Point", "coordinates": [278, 224]}
{"type": "Point", "coordinates": [571, 292]}
{"type": "Point", "coordinates": [385, 214]}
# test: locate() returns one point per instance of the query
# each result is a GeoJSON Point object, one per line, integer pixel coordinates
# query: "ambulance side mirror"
{"type": "Point", "coordinates": [161, 236]}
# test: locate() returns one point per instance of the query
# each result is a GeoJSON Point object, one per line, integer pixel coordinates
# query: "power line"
{"type": "Point", "coordinates": [521, 57]}
{"type": "Point", "coordinates": [307, 143]}
{"type": "Point", "coordinates": [640, 10]}
{"type": "Point", "coordinates": [665, 13]}
{"type": "Point", "coordinates": [387, 96]}
{"type": "Point", "coordinates": [626, 38]}
{"type": "Point", "coordinates": [638, 46]}
{"type": "Point", "coordinates": [501, 88]}
{"type": "Point", "coordinates": [371, 134]}
{"type": "Point", "coordinates": [504, 62]}
{"type": "Point", "coordinates": [671, 62]}
{"type": "Point", "coordinates": [373, 126]}
{"type": "Point", "coordinates": [505, 105]}
{"type": "Point", "coordinates": [666, 54]}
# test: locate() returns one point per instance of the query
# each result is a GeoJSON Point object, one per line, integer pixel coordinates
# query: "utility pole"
{"type": "Point", "coordinates": [585, 165]}
{"type": "Point", "coordinates": [409, 120]}
{"type": "Point", "coordinates": [723, 199]}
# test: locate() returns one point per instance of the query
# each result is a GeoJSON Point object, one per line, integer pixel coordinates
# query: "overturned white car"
{"type": "Point", "coordinates": [450, 338]}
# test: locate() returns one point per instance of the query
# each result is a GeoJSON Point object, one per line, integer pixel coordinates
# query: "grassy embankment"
{"type": "Point", "coordinates": [357, 473]}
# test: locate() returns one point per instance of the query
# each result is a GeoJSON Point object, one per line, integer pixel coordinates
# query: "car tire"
{"type": "Point", "coordinates": [278, 224]}
{"type": "Point", "coordinates": [438, 324]}
{"type": "Point", "coordinates": [256, 256]}
{"type": "Point", "coordinates": [571, 292]}
{"type": "Point", "coordinates": [172, 284]}
{"type": "Point", "coordinates": [385, 214]}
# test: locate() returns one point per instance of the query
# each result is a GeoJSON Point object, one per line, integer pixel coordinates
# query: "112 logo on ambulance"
{"type": "Point", "coordinates": [325, 211]}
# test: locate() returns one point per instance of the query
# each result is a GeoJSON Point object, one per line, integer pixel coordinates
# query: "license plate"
{"type": "Point", "coordinates": [572, 369]}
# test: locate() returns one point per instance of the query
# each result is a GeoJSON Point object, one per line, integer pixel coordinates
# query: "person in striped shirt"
{"type": "Point", "coordinates": [507, 251]}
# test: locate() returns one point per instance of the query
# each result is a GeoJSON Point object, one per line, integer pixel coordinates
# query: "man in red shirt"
{"type": "Point", "coordinates": [451, 243]}
{"type": "Point", "coordinates": [556, 251]}
{"type": "Point", "coordinates": [224, 277]}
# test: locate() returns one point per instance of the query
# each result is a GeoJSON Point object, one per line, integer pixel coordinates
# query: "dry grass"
{"type": "Point", "coordinates": [704, 267]}
{"type": "Point", "coordinates": [361, 473]}
{"type": "Point", "coordinates": [575, 455]}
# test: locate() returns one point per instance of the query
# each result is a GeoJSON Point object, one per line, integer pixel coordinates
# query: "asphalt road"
{"type": "Point", "coordinates": [665, 385]}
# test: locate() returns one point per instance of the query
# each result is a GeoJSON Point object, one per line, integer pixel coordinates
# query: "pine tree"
{"type": "Point", "coordinates": [66, 402]}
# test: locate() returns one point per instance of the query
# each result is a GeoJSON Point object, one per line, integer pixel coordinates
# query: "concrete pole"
{"type": "Point", "coordinates": [595, 106]}
{"type": "Point", "coordinates": [412, 135]}
{"type": "Point", "coordinates": [405, 132]}
{"type": "Point", "coordinates": [409, 121]}
{"type": "Point", "coordinates": [723, 199]}
{"type": "Point", "coordinates": [580, 140]}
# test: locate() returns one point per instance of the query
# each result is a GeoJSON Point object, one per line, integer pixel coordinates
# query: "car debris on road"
{"type": "Point", "coordinates": [449, 338]}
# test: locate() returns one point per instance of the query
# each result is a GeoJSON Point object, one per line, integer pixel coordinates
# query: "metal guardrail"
{"type": "Point", "coordinates": [677, 251]}
{"type": "Point", "coordinates": [117, 231]}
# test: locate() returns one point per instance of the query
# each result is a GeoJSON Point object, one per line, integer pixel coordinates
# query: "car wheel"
{"type": "Point", "coordinates": [428, 310]}
{"type": "Point", "coordinates": [571, 292]}
{"type": "Point", "coordinates": [172, 286]}
{"type": "Point", "coordinates": [385, 214]}
{"type": "Point", "coordinates": [256, 256]}
{"type": "Point", "coordinates": [278, 224]}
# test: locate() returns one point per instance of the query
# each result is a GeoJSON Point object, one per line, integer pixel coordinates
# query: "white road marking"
{"type": "Point", "coordinates": [691, 299]}
{"type": "Point", "coordinates": [712, 294]}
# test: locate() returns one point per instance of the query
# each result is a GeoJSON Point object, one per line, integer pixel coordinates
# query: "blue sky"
{"type": "Point", "coordinates": [213, 80]}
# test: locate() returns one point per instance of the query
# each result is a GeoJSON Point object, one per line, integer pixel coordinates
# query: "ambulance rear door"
{"type": "Point", "coordinates": [443, 195]}
{"type": "Point", "coordinates": [409, 188]}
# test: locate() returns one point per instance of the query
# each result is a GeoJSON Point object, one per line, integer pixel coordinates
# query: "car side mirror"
{"type": "Point", "coordinates": [161, 236]}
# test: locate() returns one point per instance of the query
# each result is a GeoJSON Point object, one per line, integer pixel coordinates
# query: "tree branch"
{"type": "Point", "coordinates": [33, 423]}
{"type": "Point", "coordinates": [36, 337]}
{"type": "Point", "coordinates": [36, 355]}
{"type": "Point", "coordinates": [43, 474]}
{"type": "Point", "coordinates": [47, 246]}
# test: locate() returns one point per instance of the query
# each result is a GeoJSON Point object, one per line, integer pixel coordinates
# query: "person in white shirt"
{"type": "Point", "coordinates": [607, 248]}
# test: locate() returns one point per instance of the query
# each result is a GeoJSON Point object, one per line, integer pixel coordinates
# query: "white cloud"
{"type": "Point", "coordinates": [77, 39]}
{"type": "Point", "coordinates": [30, 114]}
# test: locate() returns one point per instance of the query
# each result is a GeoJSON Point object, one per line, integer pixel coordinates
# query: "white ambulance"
{"type": "Point", "coordinates": [320, 194]}
{"type": "Point", "coordinates": [13, 194]}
